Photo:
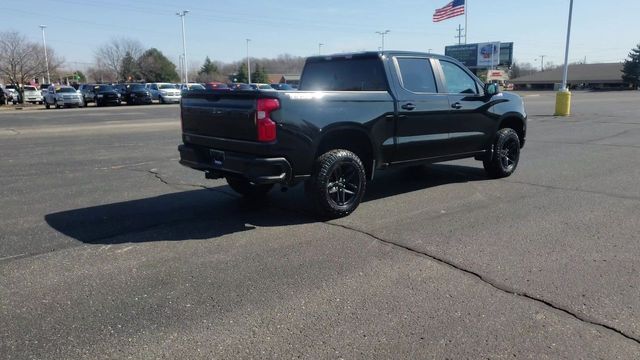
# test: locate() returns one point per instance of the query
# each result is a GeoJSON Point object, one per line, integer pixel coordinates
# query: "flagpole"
{"type": "Point", "coordinates": [466, 26]}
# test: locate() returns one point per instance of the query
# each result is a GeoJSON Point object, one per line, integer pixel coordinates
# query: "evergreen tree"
{"type": "Point", "coordinates": [631, 68]}
{"type": "Point", "coordinates": [129, 68]}
{"type": "Point", "coordinates": [208, 68]}
{"type": "Point", "coordinates": [242, 76]}
{"type": "Point", "coordinates": [260, 75]}
{"type": "Point", "coordinates": [155, 67]}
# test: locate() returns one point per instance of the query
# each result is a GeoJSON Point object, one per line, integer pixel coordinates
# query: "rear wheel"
{"type": "Point", "coordinates": [248, 189]}
{"type": "Point", "coordinates": [338, 183]}
{"type": "Point", "coordinates": [506, 154]}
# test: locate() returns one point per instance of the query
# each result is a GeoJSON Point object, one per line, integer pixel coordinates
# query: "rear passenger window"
{"type": "Point", "coordinates": [343, 74]}
{"type": "Point", "coordinates": [417, 75]}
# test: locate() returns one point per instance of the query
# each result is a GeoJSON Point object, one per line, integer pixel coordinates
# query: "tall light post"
{"type": "Point", "coordinates": [46, 58]}
{"type": "Point", "coordinates": [563, 97]}
{"type": "Point", "coordinates": [248, 63]}
{"type": "Point", "coordinates": [320, 48]}
{"type": "Point", "coordinates": [182, 14]}
{"type": "Point", "coordinates": [382, 34]}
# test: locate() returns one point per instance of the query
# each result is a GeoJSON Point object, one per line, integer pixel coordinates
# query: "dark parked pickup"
{"type": "Point", "coordinates": [354, 114]}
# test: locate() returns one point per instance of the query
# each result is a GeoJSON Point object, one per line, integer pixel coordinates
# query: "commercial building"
{"type": "Point", "coordinates": [580, 76]}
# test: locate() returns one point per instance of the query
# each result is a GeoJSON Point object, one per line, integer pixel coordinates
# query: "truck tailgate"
{"type": "Point", "coordinates": [222, 114]}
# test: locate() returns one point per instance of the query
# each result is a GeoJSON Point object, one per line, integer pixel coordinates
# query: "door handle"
{"type": "Point", "coordinates": [408, 106]}
{"type": "Point", "coordinates": [456, 105]}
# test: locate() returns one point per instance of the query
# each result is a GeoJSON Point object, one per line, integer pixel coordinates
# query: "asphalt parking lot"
{"type": "Point", "coordinates": [110, 249]}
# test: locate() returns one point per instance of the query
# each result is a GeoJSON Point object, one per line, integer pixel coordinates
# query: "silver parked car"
{"type": "Point", "coordinates": [164, 92]}
{"type": "Point", "coordinates": [61, 96]}
{"type": "Point", "coordinates": [32, 94]}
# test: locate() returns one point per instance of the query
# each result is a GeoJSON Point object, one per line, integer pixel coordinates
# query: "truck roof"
{"type": "Point", "coordinates": [375, 54]}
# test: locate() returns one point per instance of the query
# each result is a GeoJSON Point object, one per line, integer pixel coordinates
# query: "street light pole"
{"type": "Point", "coordinates": [382, 34]}
{"type": "Point", "coordinates": [563, 97]}
{"type": "Point", "coordinates": [248, 63]}
{"type": "Point", "coordinates": [566, 49]}
{"type": "Point", "coordinates": [182, 14]}
{"type": "Point", "coordinates": [320, 48]}
{"type": "Point", "coordinates": [46, 58]}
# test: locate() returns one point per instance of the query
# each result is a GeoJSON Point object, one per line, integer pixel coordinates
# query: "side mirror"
{"type": "Point", "coordinates": [491, 89]}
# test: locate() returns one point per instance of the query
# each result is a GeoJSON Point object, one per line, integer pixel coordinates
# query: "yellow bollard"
{"type": "Point", "coordinates": [563, 103]}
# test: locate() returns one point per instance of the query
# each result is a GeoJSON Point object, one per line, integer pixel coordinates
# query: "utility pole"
{"type": "Point", "coordinates": [46, 58]}
{"type": "Point", "coordinates": [320, 48]}
{"type": "Point", "coordinates": [460, 36]}
{"type": "Point", "coordinates": [429, 51]}
{"type": "Point", "coordinates": [542, 62]}
{"type": "Point", "coordinates": [382, 34]}
{"type": "Point", "coordinates": [182, 14]}
{"type": "Point", "coordinates": [248, 63]}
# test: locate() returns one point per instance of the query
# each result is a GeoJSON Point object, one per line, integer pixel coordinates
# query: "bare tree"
{"type": "Point", "coordinates": [109, 56]}
{"type": "Point", "coordinates": [22, 60]}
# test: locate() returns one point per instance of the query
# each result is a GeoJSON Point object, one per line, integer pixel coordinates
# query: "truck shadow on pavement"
{"type": "Point", "coordinates": [214, 212]}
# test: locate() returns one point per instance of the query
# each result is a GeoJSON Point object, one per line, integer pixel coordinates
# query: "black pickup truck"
{"type": "Point", "coordinates": [354, 114]}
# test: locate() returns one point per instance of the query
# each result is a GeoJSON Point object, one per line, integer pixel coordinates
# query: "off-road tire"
{"type": "Point", "coordinates": [506, 154]}
{"type": "Point", "coordinates": [337, 175]}
{"type": "Point", "coordinates": [248, 189]}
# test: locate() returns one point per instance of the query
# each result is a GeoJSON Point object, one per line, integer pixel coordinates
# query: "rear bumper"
{"type": "Point", "coordinates": [259, 170]}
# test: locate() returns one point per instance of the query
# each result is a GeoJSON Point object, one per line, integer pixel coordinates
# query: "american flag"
{"type": "Point", "coordinates": [452, 9]}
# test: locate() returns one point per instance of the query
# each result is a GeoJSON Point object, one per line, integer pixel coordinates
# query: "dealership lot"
{"type": "Point", "coordinates": [110, 249]}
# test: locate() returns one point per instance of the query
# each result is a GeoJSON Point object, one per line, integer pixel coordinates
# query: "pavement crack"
{"type": "Point", "coordinates": [492, 283]}
{"type": "Point", "coordinates": [553, 187]}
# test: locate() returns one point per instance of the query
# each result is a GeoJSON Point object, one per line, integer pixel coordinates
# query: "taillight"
{"type": "Point", "coordinates": [266, 126]}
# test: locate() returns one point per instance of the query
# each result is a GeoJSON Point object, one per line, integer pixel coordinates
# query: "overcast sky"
{"type": "Point", "coordinates": [603, 31]}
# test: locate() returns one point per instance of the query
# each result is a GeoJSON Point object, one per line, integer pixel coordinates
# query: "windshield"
{"type": "Point", "coordinates": [29, 88]}
{"type": "Point", "coordinates": [137, 87]}
{"type": "Point", "coordinates": [166, 86]}
{"type": "Point", "coordinates": [66, 90]}
{"type": "Point", "coordinates": [104, 88]}
{"type": "Point", "coordinates": [196, 87]}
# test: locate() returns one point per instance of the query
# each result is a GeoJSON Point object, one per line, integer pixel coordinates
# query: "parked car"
{"type": "Point", "coordinates": [240, 86]}
{"type": "Point", "coordinates": [106, 95]}
{"type": "Point", "coordinates": [87, 92]}
{"type": "Point", "coordinates": [191, 86]}
{"type": "Point", "coordinates": [257, 86]}
{"type": "Point", "coordinates": [164, 92]}
{"type": "Point", "coordinates": [134, 94]}
{"type": "Point", "coordinates": [282, 87]}
{"type": "Point", "coordinates": [216, 86]}
{"type": "Point", "coordinates": [62, 96]}
{"type": "Point", "coordinates": [12, 94]}
{"type": "Point", "coordinates": [355, 114]}
{"type": "Point", "coordinates": [32, 94]}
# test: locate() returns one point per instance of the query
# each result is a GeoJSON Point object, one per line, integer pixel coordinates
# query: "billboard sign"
{"type": "Point", "coordinates": [473, 55]}
{"type": "Point", "coordinates": [488, 54]}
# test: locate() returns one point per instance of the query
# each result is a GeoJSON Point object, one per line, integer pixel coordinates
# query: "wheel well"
{"type": "Point", "coordinates": [515, 124]}
{"type": "Point", "coordinates": [353, 140]}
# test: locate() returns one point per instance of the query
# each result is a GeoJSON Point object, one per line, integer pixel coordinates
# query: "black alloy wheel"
{"type": "Point", "coordinates": [506, 154]}
{"type": "Point", "coordinates": [344, 184]}
{"type": "Point", "coordinates": [337, 184]}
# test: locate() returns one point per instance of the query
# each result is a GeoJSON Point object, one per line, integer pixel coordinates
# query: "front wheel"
{"type": "Point", "coordinates": [506, 154]}
{"type": "Point", "coordinates": [338, 183]}
{"type": "Point", "coordinates": [248, 189]}
{"type": "Point", "coordinates": [46, 105]}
